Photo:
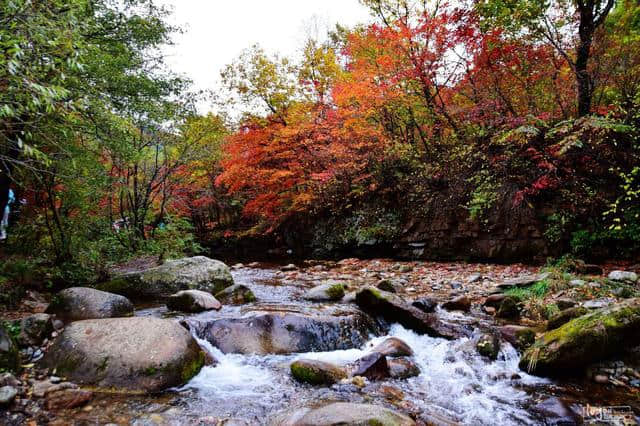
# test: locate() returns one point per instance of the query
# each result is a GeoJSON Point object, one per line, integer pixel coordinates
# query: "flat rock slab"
{"type": "Point", "coordinates": [523, 281]}
{"type": "Point", "coordinates": [139, 354]}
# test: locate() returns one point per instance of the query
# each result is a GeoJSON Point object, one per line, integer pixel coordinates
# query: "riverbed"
{"type": "Point", "coordinates": [456, 385]}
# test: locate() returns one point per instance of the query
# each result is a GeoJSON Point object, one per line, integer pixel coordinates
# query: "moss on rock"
{"type": "Point", "coordinates": [316, 372]}
{"type": "Point", "coordinates": [584, 340]}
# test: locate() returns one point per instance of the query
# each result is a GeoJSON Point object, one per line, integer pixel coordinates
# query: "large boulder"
{"type": "Point", "coordinates": [285, 332]}
{"type": "Point", "coordinates": [190, 273]}
{"type": "Point", "coordinates": [584, 340]}
{"type": "Point", "coordinates": [316, 372]}
{"type": "Point", "coordinates": [82, 303]}
{"type": "Point", "coordinates": [139, 354]}
{"type": "Point", "coordinates": [193, 301]}
{"type": "Point", "coordinates": [343, 413]}
{"type": "Point", "coordinates": [9, 354]}
{"type": "Point", "coordinates": [237, 294]}
{"type": "Point", "coordinates": [394, 309]}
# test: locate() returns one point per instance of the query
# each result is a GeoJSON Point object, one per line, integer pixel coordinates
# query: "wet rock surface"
{"type": "Point", "coordinates": [282, 332]}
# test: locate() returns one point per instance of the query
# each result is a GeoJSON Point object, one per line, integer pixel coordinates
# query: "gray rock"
{"type": "Point", "coordinates": [286, 332]}
{"type": "Point", "coordinates": [7, 395]}
{"type": "Point", "coordinates": [193, 301]}
{"type": "Point", "coordinates": [624, 276]}
{"type": "Point", "coordinates": [327, 292]}
{"type": "Point", "coordinates": [520, 337]}
{"type": "Point", "coordinates": [191, 273]}
{"type": "Point", "coordinates": [126, 354]}
{"type": "Point", "coordinates": [237, 294]}
{"type": "Point", "coordinates": [342, 413]}
{"type": "Point", "coordinates": [81, 303]}
{"type": "Point", "coordinates": [8, 379]}
{"type": "Point", "coordinates": [523, 281]}
{"type": "Point", "coordinates": [598, 303]}
{"type": "Point", "coordinates": [577, 283]}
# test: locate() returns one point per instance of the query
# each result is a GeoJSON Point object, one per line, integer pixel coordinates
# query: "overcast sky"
{"type": "Point", "coordinates": [216, 31]}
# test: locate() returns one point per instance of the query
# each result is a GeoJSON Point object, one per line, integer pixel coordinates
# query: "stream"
{"type": "Point", "coordinates": [456, 384]}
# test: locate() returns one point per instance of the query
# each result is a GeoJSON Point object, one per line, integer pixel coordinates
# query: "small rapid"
{"type": "Point", "coordinates": [455, 383]}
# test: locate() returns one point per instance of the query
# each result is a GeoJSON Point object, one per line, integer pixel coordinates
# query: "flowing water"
{"type": "Point", "coordinates": [456, 385]}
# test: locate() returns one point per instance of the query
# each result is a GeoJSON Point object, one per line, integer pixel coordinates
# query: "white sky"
{"type": "Point", "coordinates": [216, 31]}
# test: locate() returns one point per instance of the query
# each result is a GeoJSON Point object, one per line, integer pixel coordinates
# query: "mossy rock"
{"type": "Point", "coordinates": [237, 294]}
{"type": "Point", "coordinates": [328, 292]}
{"type": "Point", "coordinates": [563, 317]}
{"type": "Point", "coordinates": [191, 273]}
{"type": "Point", "coordinates": [488, 345]}
{"type": "Point", "coordinates": [138, 354]}
{"type": "Point", "coordinates": [9, 354]}
{"type": "Point", "coordinates": [508, 308]}
{"type": "Point", "coordinates": [316, 372]}
{"type": "Point", "coordinates": [585, 340]}
{"type": "Point", "coordinates": [520, 337]}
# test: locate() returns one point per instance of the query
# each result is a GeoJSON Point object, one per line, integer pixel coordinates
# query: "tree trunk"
{"type": "Point", "coordinates": [583, 51]}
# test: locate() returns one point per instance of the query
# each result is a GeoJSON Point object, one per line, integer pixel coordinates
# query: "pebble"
{"type": "Point", "coordinates": [577, 283]}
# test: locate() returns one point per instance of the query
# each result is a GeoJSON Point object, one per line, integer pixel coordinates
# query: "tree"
{"type": "Point", "coordinates": [554, 22]}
